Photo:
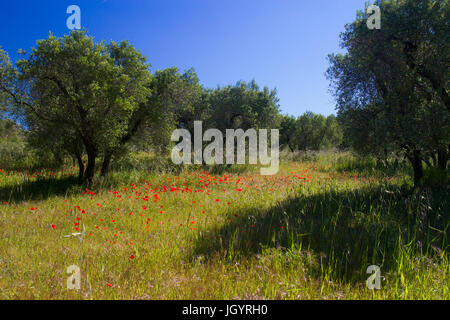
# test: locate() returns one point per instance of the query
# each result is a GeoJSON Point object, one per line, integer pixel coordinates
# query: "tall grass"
{"type": "Point", "coordinates": [309, 232]}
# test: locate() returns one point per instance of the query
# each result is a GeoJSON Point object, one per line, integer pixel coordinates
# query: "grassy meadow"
{"type": "Point", "coordinates": [308, 232]}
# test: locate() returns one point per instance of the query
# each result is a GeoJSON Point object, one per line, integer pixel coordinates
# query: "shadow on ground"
{"type": "Point", "coordinates": [39, 189]}
{"type": "Point", "coordinates": [345, 231]}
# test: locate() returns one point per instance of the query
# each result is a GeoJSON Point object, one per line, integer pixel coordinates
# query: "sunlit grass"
{"type": "Point", "coordinates": [310, 232]}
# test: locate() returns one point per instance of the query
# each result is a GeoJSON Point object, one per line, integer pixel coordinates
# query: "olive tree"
{"type": "Point", "coordinates": [391, 86]}
{"type": "Point", "coordinates": [91, 90]}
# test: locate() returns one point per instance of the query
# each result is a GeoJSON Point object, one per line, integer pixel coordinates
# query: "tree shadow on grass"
{"type": "Point", "coordinates": [40, 189]}
{"type": "Point", "coordinates": [372, 167]}
{"type": "Point", "coordinates": [344, 231]}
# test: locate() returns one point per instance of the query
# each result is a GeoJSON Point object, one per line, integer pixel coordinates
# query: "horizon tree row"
{"type": "Point", "coordinates": [75, 97]}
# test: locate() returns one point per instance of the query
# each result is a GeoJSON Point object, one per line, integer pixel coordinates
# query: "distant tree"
{"type": "Point", "coordinates": [244, 106]}
{"type": "Point", "coordinates": [287, 131]}
{"type": "Point", "coordinates": [315, 132]}
{"type": "Point", "coordinates": [332, 133]}
{"type": "Point", "coordinates": [12, 144]}
{"type": "Point", "coordinates": [308, 131]}
{"type": "Point", "coordinates": [391, 86]}
{"type": "Point", "coordinates": [181, 99]}
{"type": "Point", "coordinates": [197, 106]}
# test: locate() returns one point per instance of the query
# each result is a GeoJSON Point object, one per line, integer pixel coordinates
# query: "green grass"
{"type": "Point", "coordinates": [309, 232]}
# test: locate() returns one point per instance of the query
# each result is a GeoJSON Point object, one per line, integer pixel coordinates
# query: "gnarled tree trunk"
{"type": "Point", "coordinates": [90, 169]}
{"type": "Point", "coordinates": [80, 168]}
{"type": "Point", "coordinates": [416, 162]}
{"type": "Point", "coordinates": [442, 159]}
{"type": "Point", "coordinates": [106, 163]}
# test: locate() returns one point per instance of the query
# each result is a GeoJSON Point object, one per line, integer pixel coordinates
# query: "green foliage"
{"type": "Point", "coordinates": [391, 86]}
{"type": "Point", "coordinates": [85, 92]}
{"type": "Point", "coordinates": [436, 178]}
{"type": "Point", "coordinates": [287, 131]}
{"type": "Point", "coordinates": [370, 166]}
{"type": "Point", "coordinates": [310, 131]}
{"type": "Point", "coordinates": [275, 238]}
{"type": "Point", "coordinates": [243, 106]}
{"type": "Point", "coordinates": [176, 99]}
{"type": "Point", "coordinates": [13, 152]}
{"type": "Point", "coordinates": [146, 162]}
{"type": "Point", "coordinates": [308, 232]}
{"type": "Point", "coordinates": [17, 154]}
{"type": "Point", "coordinates": [7, 80]}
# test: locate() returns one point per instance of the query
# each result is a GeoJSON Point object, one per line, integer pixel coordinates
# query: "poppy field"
{"type": "Point", "coordinates": [308, 232]}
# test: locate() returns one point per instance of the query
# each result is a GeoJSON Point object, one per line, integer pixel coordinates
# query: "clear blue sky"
{"type": "Point", "coordinates": [279, 43]}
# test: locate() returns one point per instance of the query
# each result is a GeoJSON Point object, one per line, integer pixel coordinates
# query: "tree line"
{"type": "Point", "coordinates": [95, 100]}
{"type": "Point", "coordinates": [73, 96]}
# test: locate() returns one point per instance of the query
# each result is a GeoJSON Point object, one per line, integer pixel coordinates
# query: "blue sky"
{"type": "Point", "coordinates": [281, 44]}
